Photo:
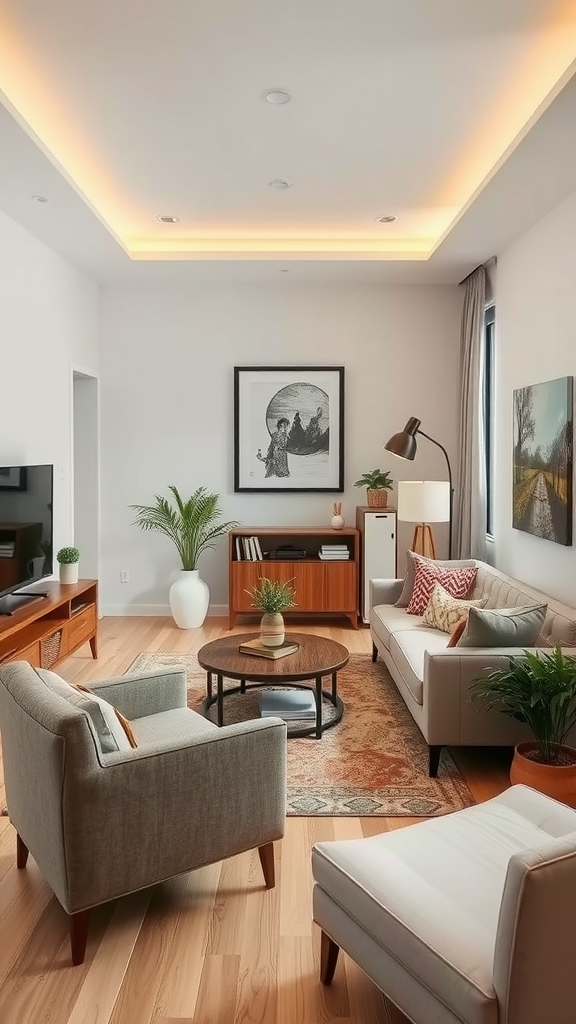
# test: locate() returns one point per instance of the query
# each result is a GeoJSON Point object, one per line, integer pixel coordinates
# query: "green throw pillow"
{"type": "Point", "coordinates": [503, 627]}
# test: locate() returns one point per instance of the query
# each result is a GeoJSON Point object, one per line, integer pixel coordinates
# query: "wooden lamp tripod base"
{"type": "Point", "coordinates": [423, 541]}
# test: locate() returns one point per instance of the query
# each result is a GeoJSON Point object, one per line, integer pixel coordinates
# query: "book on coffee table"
{"type": "Point", "coordinates": [261, 651]}
{"type": "Point", "coordinates": [288, 704]}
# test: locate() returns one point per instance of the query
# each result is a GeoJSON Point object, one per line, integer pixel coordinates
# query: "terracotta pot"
{"type": "Point", "coordinates": [377, 497]}
{"type": "Point", "coordinates": [272, 629]}
{"type": "Point", "coordinates": [557, 781]}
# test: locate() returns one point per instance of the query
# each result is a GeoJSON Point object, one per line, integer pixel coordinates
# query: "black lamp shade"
{"type": "Point", "coordinates": [404, 444]}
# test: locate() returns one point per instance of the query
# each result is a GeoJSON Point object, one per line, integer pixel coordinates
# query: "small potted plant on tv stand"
{"type": "Point", "coordinates": [68, 559]}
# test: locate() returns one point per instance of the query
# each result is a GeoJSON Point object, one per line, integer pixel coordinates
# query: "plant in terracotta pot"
{"type": "Point", "coordinates": [192, 525]}
{"type": "Point", "coordinates": [377, 484]}
{"type": "Point", "coordinates": [540, 690]}
{"type": "Point", "coordinates": [272, 597]}
{"type": "Point", "coordinates": [68, 559]}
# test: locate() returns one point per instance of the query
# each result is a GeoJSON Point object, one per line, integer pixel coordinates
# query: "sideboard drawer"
{"type": "Point", "coordinates": [81, 627]}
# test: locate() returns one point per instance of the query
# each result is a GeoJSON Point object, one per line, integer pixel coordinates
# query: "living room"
{"type": "Point", "coordinates": [159, 339]}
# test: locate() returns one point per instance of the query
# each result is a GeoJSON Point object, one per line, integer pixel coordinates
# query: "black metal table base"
{"type": "Point", "coordinates": [316, 729]}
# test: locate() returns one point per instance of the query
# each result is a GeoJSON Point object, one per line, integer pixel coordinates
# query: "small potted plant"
{"type": "Point", "coordinates": [540, 690]}
{"type": "Point", "coordinates": [377, 485]}
{"type": "Point", "coordinates": [68, 559]}
{"type": "Point", "coordinates": [272, 597]}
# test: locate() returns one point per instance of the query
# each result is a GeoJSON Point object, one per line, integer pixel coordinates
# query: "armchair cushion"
{"type": "Point", "coordinates": [106, 726]}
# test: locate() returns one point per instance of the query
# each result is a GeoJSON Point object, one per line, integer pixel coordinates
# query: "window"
{"type": "Point", "coordinates": [488, 401]}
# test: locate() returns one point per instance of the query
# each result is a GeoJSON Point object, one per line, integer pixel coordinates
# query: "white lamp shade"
{"type": "Point", "coordinates": [424, 501]}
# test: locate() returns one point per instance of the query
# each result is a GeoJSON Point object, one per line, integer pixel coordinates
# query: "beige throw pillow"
{"type": "Point", "coordinates": [411, 556]}
{"type": "Point", "coordinates": [444, 611]}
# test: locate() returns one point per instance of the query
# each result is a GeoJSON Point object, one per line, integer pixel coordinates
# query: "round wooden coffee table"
{"type": "Point", "coordinates": [317, 657]}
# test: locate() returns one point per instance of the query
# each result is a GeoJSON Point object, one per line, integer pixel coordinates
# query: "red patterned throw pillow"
{"type": "Point", "coordinates": [458, 583]}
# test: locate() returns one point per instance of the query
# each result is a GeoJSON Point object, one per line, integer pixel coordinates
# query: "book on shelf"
{"type": "Point", "coordinates": [257, 648]}
{"type": "Point", "coordinates": [291, 705]}
{"type": "Point", "coordinates": [246, 549]}
{"type": "Point", "coordinates": [238, 549]}
{"type": "Point", "coordinates": [258, 548]}
{"type": "Point", "coordinates": [333, 547]}
{"type": "Point", "coordinates": [338, 556]}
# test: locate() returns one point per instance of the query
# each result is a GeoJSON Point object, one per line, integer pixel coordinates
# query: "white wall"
{"type": "Point", "coordinates": [167, 405]}
{"type": "Point", "coordinates": [48, 323]}
{"type": "Point", "coordinates": [536, 341]}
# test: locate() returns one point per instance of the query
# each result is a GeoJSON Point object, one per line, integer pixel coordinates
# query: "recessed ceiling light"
{"type": "Point", "coordinates": [167, 220]}
{"type": "Point", "coordinates": [280, 183]}
{"type": "Point", "coordinates": [40, 199]}
{"type": "Point", "coordinates": [277, 97]}
{"type": "Point", "coordinates": [284, 270]}
{"type": "Point", "coordinates": [388, 219]}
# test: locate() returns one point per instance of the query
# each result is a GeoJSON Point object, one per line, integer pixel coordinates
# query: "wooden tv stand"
{"type": "Point", "coordinates": [46, 630]}
{"type": "Point", "coordinates": [321, 587]}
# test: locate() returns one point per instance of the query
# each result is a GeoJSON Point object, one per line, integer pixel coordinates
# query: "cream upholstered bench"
{"type": "Point", "coordinates": [464, 919]}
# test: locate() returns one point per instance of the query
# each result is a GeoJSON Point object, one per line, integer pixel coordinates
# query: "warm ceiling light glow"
{"type": "Point", "coordinates": [277, 97]}
{"type": "Point", "coordinates": [280, 183]}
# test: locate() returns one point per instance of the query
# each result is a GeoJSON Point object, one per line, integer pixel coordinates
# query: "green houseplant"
{"type": "Point", "coordinates": [377, 484]}
{"type": "Point", "coordinates": [272, 597]}
{"type": "Point", "coordinates": [68, 559]}
{"type": "Point", "coordinates": [193, 525]}
{"type": "Point", "coordinates": [540, 690]}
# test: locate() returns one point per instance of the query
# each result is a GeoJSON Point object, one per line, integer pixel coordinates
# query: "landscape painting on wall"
{"type": "Point", "coordinates": [543, 428]}
{"type": "Point", "coordinates": [288, 428]}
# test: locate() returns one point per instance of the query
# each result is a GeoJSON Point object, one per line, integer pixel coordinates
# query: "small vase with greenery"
{"type": "Point", "coordinates": [272, 597]}
{"type": "Point", "coordinates": [68, 559]}
{"type": "Point", "coordinates": [377, 484]}
{"type": "Point", "coordinates": [540, 690]}
{"type": "Point", "coordinates": [193, 526]}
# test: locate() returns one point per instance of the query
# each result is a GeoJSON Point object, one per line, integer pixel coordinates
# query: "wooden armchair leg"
{"type": "Point", "coordinates": [328, 958]}
{"type": "Point", "coordinates": [21, 853]}
{"type": "Point", "coordinates": [267, 861]}
{"type": "Point", "coordinates": [79, 935]}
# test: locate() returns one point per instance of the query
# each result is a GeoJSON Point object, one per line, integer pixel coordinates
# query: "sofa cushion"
{"type": "Point", "coordinates": [444, 611]}
{"type": "Point", "coordinates": [385, 619]}
{"type": "Point", "coordinates": [457, 582]}
{"type": "Point", "coordinates": [503, 627]}
{"type": "Point", "coordinates": [404, 599]}
{"type": "Point", "coordinates": [408, 649]}
{"type": "Point", "coordinates": [179, 725]}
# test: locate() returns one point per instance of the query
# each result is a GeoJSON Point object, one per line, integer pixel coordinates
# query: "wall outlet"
{"type": "Point", "coordinates": [125, 576]}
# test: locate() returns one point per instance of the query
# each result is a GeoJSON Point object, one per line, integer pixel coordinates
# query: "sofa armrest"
{"type": "Point", "coordinates": [385, 591]}
{"type": "Point", "coordinates": [138, 695]}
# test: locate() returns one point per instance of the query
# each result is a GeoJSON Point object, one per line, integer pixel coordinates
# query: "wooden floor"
{"type": "Point", "coordinates": [211, 947]}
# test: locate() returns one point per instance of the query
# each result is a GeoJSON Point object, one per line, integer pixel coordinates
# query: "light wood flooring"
{"type": "Point", "coordinates": [211, 947]}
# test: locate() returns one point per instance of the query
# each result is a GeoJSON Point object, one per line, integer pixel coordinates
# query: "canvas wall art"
{"type": "Point", "coordinates": [543, 431]}
{"type": "Point", "coordinates": [289, 428]}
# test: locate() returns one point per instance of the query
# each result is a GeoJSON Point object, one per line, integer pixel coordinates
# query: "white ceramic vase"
{"type": "Point", "coordinates": [68, 572]}
{"type": "Point", "coordinates": [272, 629]}
{"type": "Point", "coordinates": [189, 598]}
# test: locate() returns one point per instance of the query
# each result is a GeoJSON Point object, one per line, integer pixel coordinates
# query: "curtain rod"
{"type": "Point", "coordinates": [488, 263]}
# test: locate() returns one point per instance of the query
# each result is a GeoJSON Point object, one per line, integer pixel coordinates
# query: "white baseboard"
{"type": "Point", "coordinates": [154, 609]}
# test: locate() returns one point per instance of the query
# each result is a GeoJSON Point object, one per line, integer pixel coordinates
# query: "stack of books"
{"type": "Point", "coordinates": [7, 549]}
{"type": "Point", "coordinates": [334, 552]}
{"type": "Point", "coordinates": [291, 705]}
{"type": "Point", "coordinates": [261, 651]}
{"type": "Point", "coordinates": [248, 549]}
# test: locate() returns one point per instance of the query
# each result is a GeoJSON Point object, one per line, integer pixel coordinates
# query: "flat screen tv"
{"type": "Point", "coordinates": [25, 529]}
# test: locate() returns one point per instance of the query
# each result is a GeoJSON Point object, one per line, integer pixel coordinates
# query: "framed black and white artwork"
{"type": "Point", "coordinates": [288, 428]}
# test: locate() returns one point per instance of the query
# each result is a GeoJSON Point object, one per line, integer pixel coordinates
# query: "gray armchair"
{"type": "Point", "coordinates": [103, 824]}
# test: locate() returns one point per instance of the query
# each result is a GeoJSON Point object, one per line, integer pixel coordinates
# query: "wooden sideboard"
{"type": "Point", "coordinates": [321, 587]}
{"type": "Point", "coordinates": [48, 629]}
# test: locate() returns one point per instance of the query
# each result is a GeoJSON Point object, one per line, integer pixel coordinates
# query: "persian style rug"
{"type": "Point", "coordinates": [374, 762]}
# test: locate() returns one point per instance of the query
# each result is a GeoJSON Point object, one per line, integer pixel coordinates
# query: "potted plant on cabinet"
{"type": "Point", "coordinates": [539, 690]}
{"type": "Point", "coordinates": [377, 484]}
{"type": "Point", "coordinates": [272, 597]}
{"type": "Point", "coordinates": [68, 559]}
{"type": "Point", "coordinates": [193, 527]}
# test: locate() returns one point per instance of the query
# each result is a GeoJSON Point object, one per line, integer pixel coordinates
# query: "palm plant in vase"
{"type": "Point", "coordinates": [272, 597]}
{"type": "Point", "coordinates": [193, 525]}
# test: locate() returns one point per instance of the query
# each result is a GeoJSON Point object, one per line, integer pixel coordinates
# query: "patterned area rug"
{"type": "Point", "coordinates": [374, 762]}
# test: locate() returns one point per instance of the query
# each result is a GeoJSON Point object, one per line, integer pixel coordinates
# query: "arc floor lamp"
{"type": "Point", "coordinates": [404, 445]}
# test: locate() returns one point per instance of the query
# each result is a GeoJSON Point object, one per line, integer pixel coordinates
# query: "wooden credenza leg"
{"type": "Point", "coordinates": [94, 645]}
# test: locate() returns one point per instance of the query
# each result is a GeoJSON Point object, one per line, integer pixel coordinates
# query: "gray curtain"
{"type": "Point", "coordinates": [470, 518]}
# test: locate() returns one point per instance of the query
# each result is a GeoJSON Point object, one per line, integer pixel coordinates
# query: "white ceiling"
{"type": "Point", "coordinates": [455, 117]}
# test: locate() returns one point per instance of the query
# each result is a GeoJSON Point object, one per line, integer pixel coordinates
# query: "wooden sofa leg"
{"type": "Point", "coordinates": [21, 853]}
{"type": "Point", "coordinates": [79, 935]}
{"type": "Point", "coordinates": [328, 958]}
{"type": "Point", "coordinates": [433, 761]}
{"type": "Point", "coordinates": [267, 861]}
{"type": "Point", "coordinates": [374, 652]}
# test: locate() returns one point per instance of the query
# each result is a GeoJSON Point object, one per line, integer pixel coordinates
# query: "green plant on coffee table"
{"type": "Point", "coordinates": [375, 480]}
{"type": "Point", "coordinates": [272, 595]}
{"type": "Point", "coordinates": [191, 525]}
{"type": "Point", "coordinates": [539, 690]}
{"type": "Point", "coordinates": [68, 556]}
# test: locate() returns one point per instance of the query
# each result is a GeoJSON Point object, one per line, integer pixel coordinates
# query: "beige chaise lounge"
{"type": "Point", "coordinates": [434, 681]}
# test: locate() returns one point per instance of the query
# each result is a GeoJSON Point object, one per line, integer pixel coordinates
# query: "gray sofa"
{"type": "Point", "coordinates": [434, 680]}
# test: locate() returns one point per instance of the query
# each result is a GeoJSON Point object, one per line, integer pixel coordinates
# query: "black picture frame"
{"type": "Point", "coordinates": [13, 478]}
{"type": "Point", "coordinates": [289, 429]}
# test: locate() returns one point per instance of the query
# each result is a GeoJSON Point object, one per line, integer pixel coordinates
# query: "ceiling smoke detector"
{"type": "Point", "coordinates": [280, 183]}
{"type": "Point", "coordinates": [164, 219]}
{"type": "Point", "coordinates": [388, 219]}
{"type": "Point", "coordinates": [40, 199]}
{"type": "Point", "coordinates": [277, 97]}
